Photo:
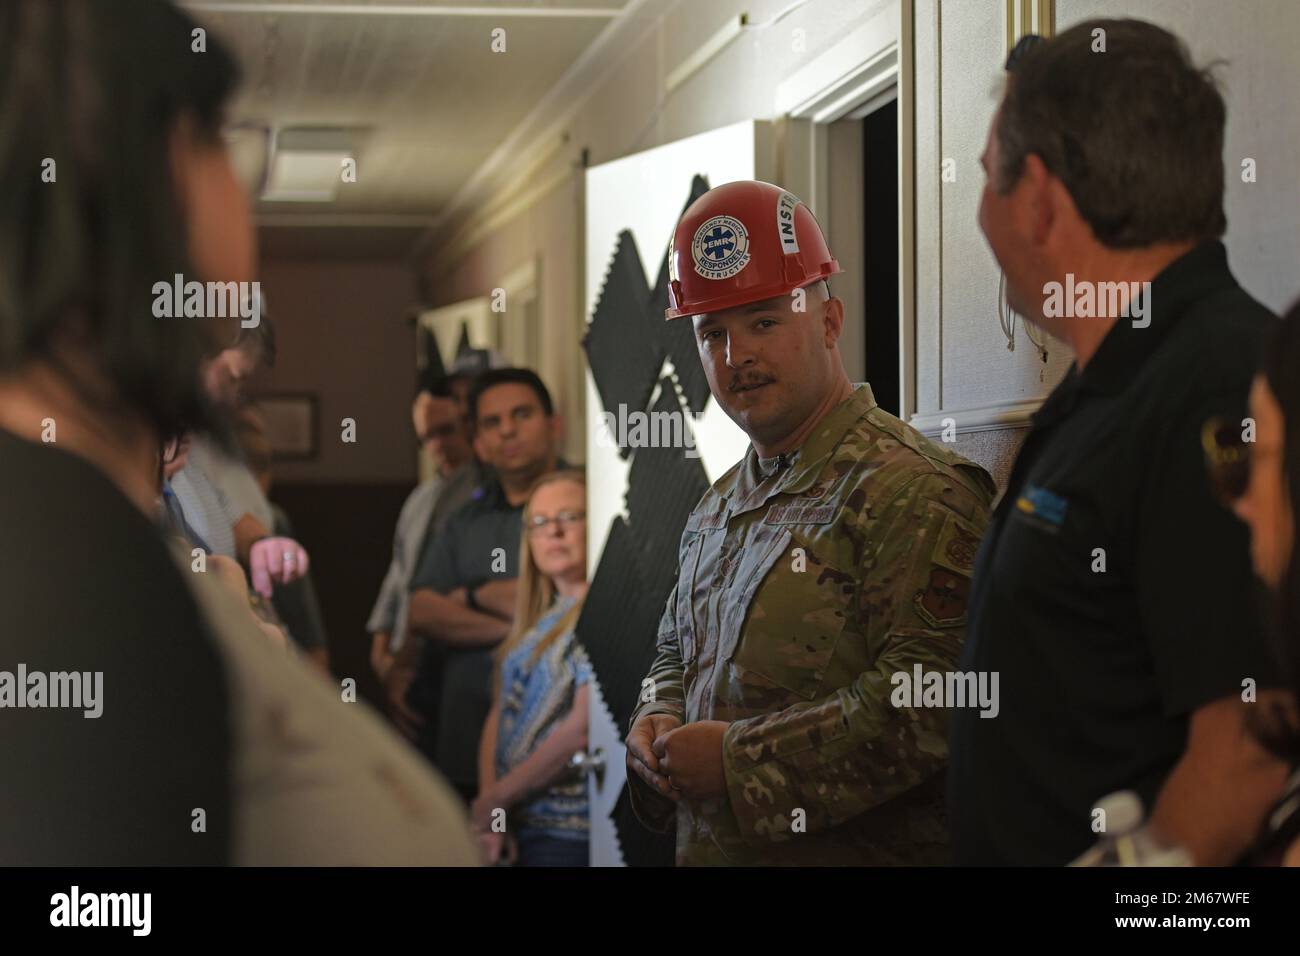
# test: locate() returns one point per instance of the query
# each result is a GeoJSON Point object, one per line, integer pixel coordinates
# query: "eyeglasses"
{"type": "Point", "coordinates": [439, 431]}
{"type": "Point", "coordinates": [564, 520]}
{"type": "Point", "coordinates": [1228, 455]}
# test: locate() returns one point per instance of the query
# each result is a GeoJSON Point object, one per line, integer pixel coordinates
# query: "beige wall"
{"type": "Point", "coordinates": [626, 112]}
{"type": "Point", "coordinates": [551, 233]}
{"type": "Point", "coordinates": [962, 366]}
{"type": "Point", "coordinates": [342, 334]}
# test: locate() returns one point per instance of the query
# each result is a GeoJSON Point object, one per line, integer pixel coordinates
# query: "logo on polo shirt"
{"type": "Point", "coordinates": [1043, 506]}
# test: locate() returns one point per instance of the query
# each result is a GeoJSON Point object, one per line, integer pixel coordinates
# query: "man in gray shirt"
{"type": "Point", "coordinates": [219, 496]}
{"type": "Point", "coordinates": [443, 432]}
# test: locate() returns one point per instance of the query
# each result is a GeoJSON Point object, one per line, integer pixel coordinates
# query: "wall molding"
{"type": "Point", "coordinates": [840, 80]}
{"type": "Point", "coordinates": [1011, 414]}
{"type": "Point", "coordinates": [541, 136]}
{"type": "Point", "coordinates": [1026, 16]}
{"type": "Point", "coordinates": [907, 208]}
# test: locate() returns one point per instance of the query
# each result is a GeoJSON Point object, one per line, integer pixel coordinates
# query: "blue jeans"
{"type": "Point", "coordinates": [538, 848]}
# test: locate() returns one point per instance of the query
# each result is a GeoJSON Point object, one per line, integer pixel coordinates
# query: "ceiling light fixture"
{"type": "Point", "coordinates": [307, 164]}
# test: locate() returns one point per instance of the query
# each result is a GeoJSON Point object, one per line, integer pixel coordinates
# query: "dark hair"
{"type": "Point", "coordinates": [99, 88]}
{"type": "Point", "coordinates": [508, 376]}
{"type": "Point", "coordinates": [1135, 133]}
{"type": "Point", "coordinates": [258, 341]}
{"type": "Point", "coordinates": [433, 383]}
{"type": "Point", "coordinates": [1278, 730]}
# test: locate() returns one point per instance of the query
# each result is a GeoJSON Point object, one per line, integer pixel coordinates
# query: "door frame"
{"type": "Point", "coordinates": [867, 69]}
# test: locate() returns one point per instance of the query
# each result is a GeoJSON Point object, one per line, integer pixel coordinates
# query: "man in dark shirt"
{"type": "Point", "coordinates": [463, 589]}
{"type": "Point", "coordinates": [1112, 594]}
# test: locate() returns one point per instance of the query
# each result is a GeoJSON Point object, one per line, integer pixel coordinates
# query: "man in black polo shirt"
{"type": "Point", "coordinates": [463, 589]}
{"type": "Point", "coordinates": [1112, 595]}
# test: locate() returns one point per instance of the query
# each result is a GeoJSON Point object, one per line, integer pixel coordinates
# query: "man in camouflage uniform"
{"type": "Point", "coordinates": [835, 555]}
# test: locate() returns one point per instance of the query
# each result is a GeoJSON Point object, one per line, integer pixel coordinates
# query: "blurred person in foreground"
{"type": "Point", "coordinates": [532, 804]}
{"type": "Point", "coordinates": [1255, 467]}
{"type": "Point", "coordinates": [212, 746]}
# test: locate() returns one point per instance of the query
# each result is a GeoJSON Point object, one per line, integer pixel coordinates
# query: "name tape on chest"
{"type": "Point", "coordinates": [800, 511]}
{"type": "Point", "coordinates": [711, 521]}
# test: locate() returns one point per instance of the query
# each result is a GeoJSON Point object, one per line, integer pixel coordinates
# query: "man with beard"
{"type": "Point", "coordinates": [835, 557]}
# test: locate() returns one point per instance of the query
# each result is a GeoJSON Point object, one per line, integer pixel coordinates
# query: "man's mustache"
{"type": "Point", "coordinates": [749, 380]}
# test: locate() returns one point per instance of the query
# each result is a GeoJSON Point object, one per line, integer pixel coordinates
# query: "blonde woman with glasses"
{"type": "Point", "coordinates": [532, 805]}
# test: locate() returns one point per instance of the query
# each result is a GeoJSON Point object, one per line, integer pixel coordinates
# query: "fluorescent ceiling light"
{"type": "Point", "coordinates": [307, 165]}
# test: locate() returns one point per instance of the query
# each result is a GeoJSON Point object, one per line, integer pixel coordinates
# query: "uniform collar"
{"type": "Point", "coordinates": [1187, 280]}
{"type": "Point", "coordinates": [748, 487]}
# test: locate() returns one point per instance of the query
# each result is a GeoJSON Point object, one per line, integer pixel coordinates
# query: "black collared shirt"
{"type": "Point", "coordinates": [453, 687]}
{"type": "Point", "coordinates": [1113, 595]}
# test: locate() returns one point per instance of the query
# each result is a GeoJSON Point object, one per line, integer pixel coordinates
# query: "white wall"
{"type": "Point", "coordinates": [623, 194]}
{"type": "Point", "coordinates": [962, 360]}
{"type": "Point", "coordinates": [1259, 40]}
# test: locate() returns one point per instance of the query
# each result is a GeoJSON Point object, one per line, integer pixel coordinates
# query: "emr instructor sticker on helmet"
{"type": "Point", "coordinates": [720, 247]}
{"type": "Point", "coordinates": [785, 223]}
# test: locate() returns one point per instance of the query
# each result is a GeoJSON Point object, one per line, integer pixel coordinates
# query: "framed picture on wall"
{"type": "Point", "coordinates": [291, 424]}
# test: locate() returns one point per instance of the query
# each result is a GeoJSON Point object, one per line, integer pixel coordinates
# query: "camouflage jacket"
{"type": "Point", "coordinates": [799, 594]}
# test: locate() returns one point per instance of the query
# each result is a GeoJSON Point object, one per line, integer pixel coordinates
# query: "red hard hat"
{"type": "Point", "coordinates": [743, 242]}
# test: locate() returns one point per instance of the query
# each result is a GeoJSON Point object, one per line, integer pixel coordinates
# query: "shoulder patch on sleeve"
{"type": "Point", "coordinates": [942, 600]}
{"type": "Point", "coordinates": [956, 545]}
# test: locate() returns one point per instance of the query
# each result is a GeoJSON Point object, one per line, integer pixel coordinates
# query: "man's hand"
{"type": "Point", "coordinates": [275, 561]}
{"type": "Point", "coordinates": [497, 848]}
{"type": "Point", "coordinates": [691, 758]}
{"type": "Point", "coordinates": [1219, 793]}
{"type": "Point", "coordinates": [230, 576]}
{"type": "Point", "coordinates": [381, 660]}
{"type": "Point", "coordinates": [641, 758]}
{"type": "Point", "coordinates": [397, 681]}
{"type": "Point", "coordinates": [497, 597]}
{"type": "Point", "coordinates": [480, 811]}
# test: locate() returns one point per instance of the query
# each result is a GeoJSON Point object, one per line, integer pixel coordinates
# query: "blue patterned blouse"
{"type": "Point", "coordinates": [534, 698]}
